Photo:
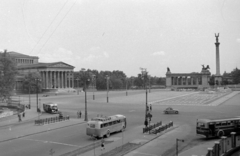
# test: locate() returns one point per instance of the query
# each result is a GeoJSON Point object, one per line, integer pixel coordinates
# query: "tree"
{"type": "Point", "coordinates": [30, 83]}
{"type": "Point", "coordinates": [236, 76]}
{"type": "Point", "coordinates": [211, 81]}
{"type": "Point", "coordinates": [8, 72]}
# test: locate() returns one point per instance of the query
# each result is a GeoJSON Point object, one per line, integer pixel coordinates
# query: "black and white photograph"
{"type": "Point", "coordinates": [120, 78]}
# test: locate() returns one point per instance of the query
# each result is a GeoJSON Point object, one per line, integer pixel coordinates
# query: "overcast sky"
{"type": "Point", "coordinates": [125, 34]}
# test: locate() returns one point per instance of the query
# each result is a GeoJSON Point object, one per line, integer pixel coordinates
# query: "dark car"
{"type": "Point", "coordinates": [170, 110]}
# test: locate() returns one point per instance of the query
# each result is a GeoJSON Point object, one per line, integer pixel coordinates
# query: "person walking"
{"type": "Point", "coordinates": [80, 114]}
{"type": "Point", "coordinates": [19, 117]}
{"type": "Point", "coordinates": [150, 107]}
{"type": "Point", "coordinates": [146, 123]}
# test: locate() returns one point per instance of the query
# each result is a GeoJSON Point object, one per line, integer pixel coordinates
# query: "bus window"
{"type": "Point", "coordinates": [110, 123]}
{"type": "Point", "coordinates": [218, 123]}
{"type": "Point", "coordinates": [224, 123]}
{"type": "Point", "coordinates": [105, 125]}
{"type": "Point", "coordinates": [118, 121]}
{"type": "Point", "coordinates": [114, 122]}
{"type": "Point", "coordinates": [199, 124]}
{"type": "Point", "coordinates": [101, 126]}
{"type": "Point", "coordinates": [92, 125]}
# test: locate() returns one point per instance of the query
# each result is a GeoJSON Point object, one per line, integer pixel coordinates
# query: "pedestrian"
{"type": "Point", "coordinates": [146, 123]}
{"type": "Point", "coordinates": [102, 145]}
{"type": "Point", "coordinates": [150, 107]}
{"type": "Point", "coordinates": [80, 114]}
{"type": "Point", "coordinates": [19, 117]}
{"type": "Point", "coordinates": [23, 115]}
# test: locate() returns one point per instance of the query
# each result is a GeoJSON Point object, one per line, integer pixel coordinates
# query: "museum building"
{"type": "Point", "coordinates": [55, 75]}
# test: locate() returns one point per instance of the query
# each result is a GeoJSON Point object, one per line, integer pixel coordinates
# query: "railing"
{"type": "Point", "coordinates": [51, 120]}
{"type": "Point", "coordinates": [149, 128]}
{"type": "Point", "coordinates": [161, 128]}
{"type": "Point", "coordinates": [157, 128]}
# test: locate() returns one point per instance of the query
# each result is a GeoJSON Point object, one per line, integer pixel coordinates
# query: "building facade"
{"type": "Point", "coordinates": [188, 80]}
{"type": "Point", "coordinates": [56, 75]}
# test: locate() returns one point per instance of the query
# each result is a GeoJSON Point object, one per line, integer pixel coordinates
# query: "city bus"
{"type": "Point", "coordinates": [218, 127]}
{"type": "Point", "coordinates": [50, 107]}
{"type": "Point", "coordinates": [100, 127]}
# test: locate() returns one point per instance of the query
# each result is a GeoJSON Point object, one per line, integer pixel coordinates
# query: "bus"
{"type": "Point", "coordinates": [218, 127]}
{"type": "Point", "coordinates": [100, 127]}
{"type": "Point", "coordinates": [50, 107]}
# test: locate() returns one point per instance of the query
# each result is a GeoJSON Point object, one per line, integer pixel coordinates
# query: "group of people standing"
{"type": "Point", "coordinates": [148, 115]}
{"type": "Point", "coordinates": [20, 116]}
{"type": "Point", "coordinates": [79, 114]}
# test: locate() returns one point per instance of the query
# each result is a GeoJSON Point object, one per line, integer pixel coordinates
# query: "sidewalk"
{"type": "Point", "coordinates": [11, 128]}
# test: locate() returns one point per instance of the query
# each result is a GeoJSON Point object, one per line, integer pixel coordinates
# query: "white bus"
{"type": "Point", "coordinates": [218, 127]}
{"type": "Point", "coordinates": [103, 126]}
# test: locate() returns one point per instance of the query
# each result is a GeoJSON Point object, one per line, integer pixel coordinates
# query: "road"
{"type": "Point", "coordinates": [133, 106]}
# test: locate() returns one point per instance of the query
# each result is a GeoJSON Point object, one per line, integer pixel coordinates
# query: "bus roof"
{"type": "Point", "coordinates": [219, 119]}
{"type": "Point", "coordinates": [50, 103]}
{"type": "Point", "coordinates": [108, 118]}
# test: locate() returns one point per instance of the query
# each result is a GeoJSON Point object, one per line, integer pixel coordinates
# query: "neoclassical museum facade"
{"type": "Point", "coordinates": [54, 75]}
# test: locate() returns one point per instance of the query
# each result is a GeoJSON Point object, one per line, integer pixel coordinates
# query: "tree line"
{"type": "Point", "coordinates": [114, 80]}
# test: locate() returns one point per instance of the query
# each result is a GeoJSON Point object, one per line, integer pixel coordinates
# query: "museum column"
{"type": "Point", "coordinates": [69, 78]}
{"type": "Point", "coordinates": [54, 79]}
{"type": "Point", "coordinates": [72, 80]}
{"type": "Point", "coordinates": [65, 78]}
{"type": "Point", "coordinates": [61, 79]}
{"type": "Point", "coordinates": [47, 80]}
{"type": "Point", "coordinates": [43, 79]}
{"type": "Point", "coordinates": [50, 82]}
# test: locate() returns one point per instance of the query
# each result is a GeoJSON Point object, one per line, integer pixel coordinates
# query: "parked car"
{"type": "Point", "coordinates": [170, 110]}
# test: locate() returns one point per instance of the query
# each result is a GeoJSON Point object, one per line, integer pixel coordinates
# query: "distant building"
{"type": "Point", "coordinates": [54, 75]}
{"type": "Point", "coordinates": [188, 80]}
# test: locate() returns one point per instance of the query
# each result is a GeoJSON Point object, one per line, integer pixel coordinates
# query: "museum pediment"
{"type": "Point", "coordinates": [61, 65]}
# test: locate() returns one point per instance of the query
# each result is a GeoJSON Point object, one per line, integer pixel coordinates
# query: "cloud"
{"type": "Point", "coordinates": [158, 53]}
{"type": "Point", "coordinates": [238, 40]}
{"type": "Point", "coordinates": [59, 54]}
{"type": "Point", "coordinates": [94, 48]}
{"type": "Point", "coordinates": [106, 54]}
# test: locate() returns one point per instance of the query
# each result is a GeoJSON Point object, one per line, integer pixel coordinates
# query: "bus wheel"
{"type": "Point", "coordinates": [108, 134]}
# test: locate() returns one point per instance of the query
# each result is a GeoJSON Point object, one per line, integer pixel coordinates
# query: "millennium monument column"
{"type": "Point", "coordinates": [218, 77]}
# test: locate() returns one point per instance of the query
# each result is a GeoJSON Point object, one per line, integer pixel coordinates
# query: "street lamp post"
{"type": "Point", "coordinates": [85, 79]}
{"type": "Point", "coordinates": [107, 77]}
{"type": "Point", "coordinates": [29, 106]}
{"type": "Point", "coordinates": [149, 77]}
{"type": "Point", "coordinates": [85, 90]}
{"type": "Point", "coordinates": [77, 86]}
{"type": "Point", "coordinates": [144, 74]}
{"type": "Point", "coordinates": [126, 87]}
{"type": "Point", "coordinates": [37, 79]}
{"type": "Point", "coordinates": [177, 140]}
{"type": "Point", "coordinates": [93, 79]}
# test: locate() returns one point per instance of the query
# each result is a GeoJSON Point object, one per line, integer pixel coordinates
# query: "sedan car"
{"type": "Point", "coordinates": [170, 110]}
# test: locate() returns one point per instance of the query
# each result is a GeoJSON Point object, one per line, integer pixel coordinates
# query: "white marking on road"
{"type": "Point", "coordinates": [132, 110]}
{"type": "Point", "coordinates": [144, 153]}
{"type": "Point", "coordinates": [45, 141]}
